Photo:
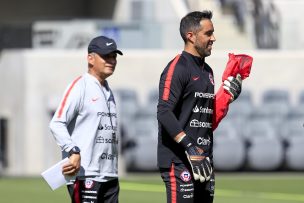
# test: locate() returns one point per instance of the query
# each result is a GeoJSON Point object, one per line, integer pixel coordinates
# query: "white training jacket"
{"type": "Point", "coordinates": [87, 118]}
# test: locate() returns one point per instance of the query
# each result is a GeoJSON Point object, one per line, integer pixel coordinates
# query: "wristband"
{"type": "Point", "coordinates": [186, 142]}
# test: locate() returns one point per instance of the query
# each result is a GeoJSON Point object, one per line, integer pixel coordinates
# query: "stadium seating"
{"type": "Point", "coordinates": [296, 112]}
{"type": "Point", "coordinates": [153, 96]}
{"type": "Point", "coordinates": [241, 109]}
{"type": "Point", "coordinates": [295, 152]}
{"type": "Point", "coordinates": [127, 104]}
{"type": "Point", "coordinates": [275, 95]}
{"type": "Point", "coordinates": [229, 149]}
{"type": "Point", "coordinates": [152, 100]}
{"type": "Point", "coordinates": [301, 97]}
{"type": "Point", "coordinates": [144, 131]}
{"type": "Point", "coordinates": [265, 151]}
{"type": "Point", "coordinates": [292, 133]}
{"type": "Point", "coordinates": [276, 104]}
{"type": "Point", "coordinates": [291, 127]}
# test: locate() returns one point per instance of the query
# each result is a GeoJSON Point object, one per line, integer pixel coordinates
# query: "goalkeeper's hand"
{"type": "Point", "coordinates": [233, 85]}
{"type": "Point", "coordinates": [200, 164]}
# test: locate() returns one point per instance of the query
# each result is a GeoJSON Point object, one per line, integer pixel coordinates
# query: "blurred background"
{"type": "Point", "coordinates": [43, 47]}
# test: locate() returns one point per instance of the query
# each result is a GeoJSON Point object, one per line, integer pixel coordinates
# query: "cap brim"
{"type": "Point", "coordinates": [105, 53]}
{"type": "Point", "coordinates": [118, 51]}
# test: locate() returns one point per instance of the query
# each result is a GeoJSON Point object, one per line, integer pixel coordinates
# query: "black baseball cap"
{"type": "Point", "coordinates": [103, 45]}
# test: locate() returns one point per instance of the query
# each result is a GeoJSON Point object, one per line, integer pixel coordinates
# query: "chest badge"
{"type": "Point", "coordinates": [211, 79]}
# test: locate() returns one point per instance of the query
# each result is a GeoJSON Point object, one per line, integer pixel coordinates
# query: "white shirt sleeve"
{"type": "Point", "coordinates": [67, 110]}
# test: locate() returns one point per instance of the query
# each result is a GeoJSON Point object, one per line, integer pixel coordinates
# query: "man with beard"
{"type": "Point", "coordinates": [187, 114]}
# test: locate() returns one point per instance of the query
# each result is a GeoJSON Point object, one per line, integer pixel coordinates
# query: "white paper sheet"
{"type": "Point", "coordinates": [53, 176]}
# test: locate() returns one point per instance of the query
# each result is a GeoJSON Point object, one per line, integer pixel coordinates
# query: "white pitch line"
{"type": "Point", "coordinates": [259, 195]}
{"type": "Point", "coordinates": [218, 192]}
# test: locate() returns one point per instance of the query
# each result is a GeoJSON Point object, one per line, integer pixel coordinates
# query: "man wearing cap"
{"type": "Point", "coordinates": [85, 127]}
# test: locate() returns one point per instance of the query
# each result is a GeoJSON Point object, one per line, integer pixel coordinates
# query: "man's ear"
{"type": "Point", "coordinates": [90, 56]}
{"type": "Point", "coordinates": [190, 37]}
{"type": "Point", "coordinates": [90, 59]}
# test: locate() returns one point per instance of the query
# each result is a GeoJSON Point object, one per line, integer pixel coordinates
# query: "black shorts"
{"type": "Point", "coordinates": [89, 191]}
{"type": "Point", "coordinates": [182, 188]}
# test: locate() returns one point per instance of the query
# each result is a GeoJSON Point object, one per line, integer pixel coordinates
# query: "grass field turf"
{"type": "Point", "coordinates": [148, 188]}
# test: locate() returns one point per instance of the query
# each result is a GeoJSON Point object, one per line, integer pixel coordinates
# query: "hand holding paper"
{"type": "Point", "coordinates": [53, 176]}
{"type": "Point", "coordinates": [72, 167]}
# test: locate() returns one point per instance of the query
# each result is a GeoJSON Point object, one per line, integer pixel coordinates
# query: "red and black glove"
{"type": "Point", "coordinates": [200, 164]}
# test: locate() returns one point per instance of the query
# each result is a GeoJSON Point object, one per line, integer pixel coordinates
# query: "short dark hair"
{"type": "Point", "coordinates": [191, 22]}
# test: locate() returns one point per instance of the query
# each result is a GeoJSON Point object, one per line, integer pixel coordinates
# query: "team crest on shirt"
{"type": "Point", "coordinates": [211, 79]}
{"type": "Point", "coordinates": [88, 184]}
{"type": "Point", "coordinates": [185, 176]}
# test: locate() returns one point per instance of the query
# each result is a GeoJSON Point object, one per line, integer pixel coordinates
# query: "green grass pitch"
{"type": "Point", "coordinates": [149, 188]}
